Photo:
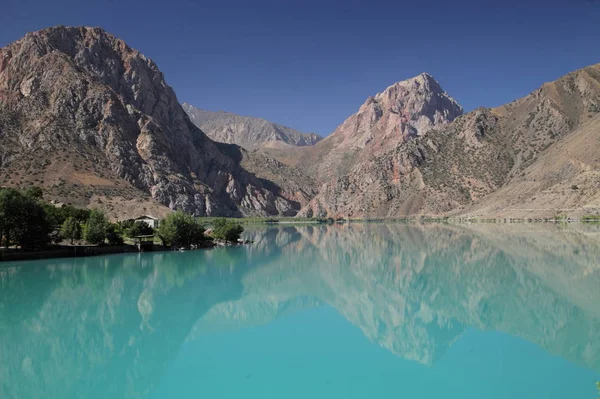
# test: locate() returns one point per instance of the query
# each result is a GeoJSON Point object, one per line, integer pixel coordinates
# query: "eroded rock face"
{"type": "Point", "coordinates": [84, 93]}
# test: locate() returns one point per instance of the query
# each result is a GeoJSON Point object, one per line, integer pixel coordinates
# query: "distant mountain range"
{"type": "Point", "coordinates": [245, 131]}
{"type": "Point", "coordinates": [94, 123]}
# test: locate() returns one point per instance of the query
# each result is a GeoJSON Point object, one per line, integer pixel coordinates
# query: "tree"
{"type": "Point", "coordinates": [58, 214]}
{"type": "Point", "coordinates": [227, 230]}
{"type": "Point", "coordinates": [23, 220]}
{"type": "Point", "coordinates": [94, 230]}
{"type": "Point", "coordinates": [139, 228]}
{"type": "Point", "coordinates": [114, 234]}
{"type": "Point", "coordinates": [180, 230]}
{"type": "Point", "coordinates": [9, 214]}
{"type": "Point", "coordinates": [71, 229]}
{"type": "Point", "coordinates": [34, 192]}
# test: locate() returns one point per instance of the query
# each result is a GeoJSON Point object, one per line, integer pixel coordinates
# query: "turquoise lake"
{"type": "Point", "coordinates": [313, 311]}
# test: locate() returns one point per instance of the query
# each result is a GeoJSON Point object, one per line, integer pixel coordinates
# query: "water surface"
{"type": "Point", "coordinates": [350, 311]}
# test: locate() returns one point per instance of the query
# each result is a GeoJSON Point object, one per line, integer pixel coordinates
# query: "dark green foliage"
{"type": "Point", "coordinates": [94, 230]}
{"type": "Point", "coordinates": [58, 215]}
{"type": "Point", "coordinates": [139, 228]}
{"type": "Point", "coordinates": [126, 224]}
{"type": "Point", "coordinates": [180, 230]}
{"type": "Point", "coordinates": [227, 230]}
{"type": "Point", "coordinates": [23, 221]}
{"type": "Point", "coordinates": [71, 229]}
{"type": "Point", "coordinates": [34, 192]}
{"type": "Point", "coordinates": [114, 234]}
{"type": "Point", "coordinates": [574, 187]}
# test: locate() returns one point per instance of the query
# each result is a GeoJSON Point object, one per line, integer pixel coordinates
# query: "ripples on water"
{"type": "Point", "coordinates": [348, 311]}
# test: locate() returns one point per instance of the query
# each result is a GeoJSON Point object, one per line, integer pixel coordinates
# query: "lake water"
{"type": "Point", "coordinates": [343, 311]}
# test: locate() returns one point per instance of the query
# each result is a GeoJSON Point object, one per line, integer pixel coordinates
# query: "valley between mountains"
{"type": "Point", "coordinates": [93, 122]}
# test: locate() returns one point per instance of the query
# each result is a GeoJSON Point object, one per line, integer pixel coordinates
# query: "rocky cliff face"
{"type": "Point", "coordinates": [453, 168]}
{"type": "Point", "coordinates": [250, 133]}
{"type": "Point", "coordinates": [400, 113]}
{"type": "Point", "coordinates": [89, 118]}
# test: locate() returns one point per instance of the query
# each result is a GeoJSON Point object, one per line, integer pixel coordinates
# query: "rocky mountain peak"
{"type": "Point", "coordinates": [401, 112]}
{"type": "Point", "coordinates": [416, 105]}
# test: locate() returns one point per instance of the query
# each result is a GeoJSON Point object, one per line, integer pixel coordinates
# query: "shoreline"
{"type": "Point", "coordinates": [81, 251]}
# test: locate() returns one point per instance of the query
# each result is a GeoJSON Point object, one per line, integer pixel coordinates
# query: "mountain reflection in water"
{"type": "Point", "coordinates": [110, 326]}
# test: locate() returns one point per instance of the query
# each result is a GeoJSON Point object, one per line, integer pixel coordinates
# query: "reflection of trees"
{"type": "Point", "coordinates": [102, 327]}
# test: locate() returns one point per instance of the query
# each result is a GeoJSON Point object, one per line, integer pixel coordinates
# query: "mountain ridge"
{"type": "Point", "coordinates": [93, 122]}
{"type": "Point", "coordinates": [246, 131]}
{"type": "Point", "coordinates": [453, 167]}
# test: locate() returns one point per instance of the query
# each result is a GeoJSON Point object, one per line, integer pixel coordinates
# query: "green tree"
{"type": "Point", "coordinates": [71, 229]}
{"type": "Point", "coordinates": [58, 214]}
{"type": "Point", "coordinates": [114, 234]}
{"type": "Point", "coordinates": [94, 230]}
{"type": "Point", "coordinates": [34, 192]}
{"type": "Point", "coordinates": [23, 220]}
{"type": "Point", "coordinates": [227, 230]}
{"type": "Point", "coordinates": [139, 228]}
{"type": "Point", "coordinates": [180, 230]}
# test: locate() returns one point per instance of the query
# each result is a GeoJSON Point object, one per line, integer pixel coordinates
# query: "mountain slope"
{"type": "Point", "coordinates": [454, 167]}
{"type": "Point", "coordinates": [401, 112]}
{"type": "Point", "coordinates": [250, 133]}
{"type": "Point", "coordinates": [89, 118]}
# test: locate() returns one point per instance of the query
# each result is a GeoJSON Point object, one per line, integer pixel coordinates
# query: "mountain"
{"type": "Point", "coordinates": [534, 157]}
{"type": "Point", "coordinates": [94, 122]}
{"type": "Point", "coordinates": [250, 133]}
{"type": "Point", "coordinates": [401, 112]}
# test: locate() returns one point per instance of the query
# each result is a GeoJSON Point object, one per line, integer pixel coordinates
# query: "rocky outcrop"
{"type": "Point", "coordinates": [79, 109]}
{"type": "Point", "coordinates": [245, 131]}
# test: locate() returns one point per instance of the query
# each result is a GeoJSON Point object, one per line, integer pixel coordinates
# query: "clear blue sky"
{"type": "Point", "coordinates": [310, 64]}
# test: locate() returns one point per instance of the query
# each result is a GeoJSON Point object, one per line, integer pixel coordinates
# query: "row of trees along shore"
{"type": "Point", "coordinates": [29, 223]}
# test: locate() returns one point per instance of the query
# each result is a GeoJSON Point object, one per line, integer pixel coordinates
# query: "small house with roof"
{"type": "Point", "coordinates": [151, 220]}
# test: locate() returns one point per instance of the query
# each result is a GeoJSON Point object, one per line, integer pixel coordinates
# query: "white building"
{"type": "Point", "coordinates": [151, 220]}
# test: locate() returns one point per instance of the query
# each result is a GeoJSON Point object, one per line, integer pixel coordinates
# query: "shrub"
{"type": "Point", "coordinates": [139, 228]}
{"type": "Point", "coordinates": [94, 230]}
{"type": "Point", "coordinates": [227, 230]}
{"type": "Point", "coordinates": [180, 230]}
{"type": "Point", "coordinates": [71, 229]}
{"type": "Point", "coordinates": [114, 234]}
